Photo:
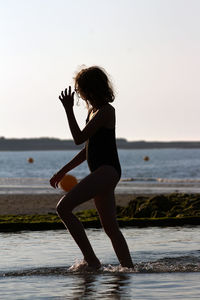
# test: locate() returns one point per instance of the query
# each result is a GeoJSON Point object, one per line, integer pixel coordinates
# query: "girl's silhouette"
{"type": "Point", "coordinates": [100, 151]}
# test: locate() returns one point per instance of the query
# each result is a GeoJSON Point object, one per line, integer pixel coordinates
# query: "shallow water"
{"type": "Point", "coordinates": [35, 265]}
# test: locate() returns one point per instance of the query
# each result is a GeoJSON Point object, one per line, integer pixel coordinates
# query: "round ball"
{"type": "Point", "coordinates": [30, 160]}
{"type": "Point", "coordinates": [146, 158]}
{"type": "Point", "coordinates": [68, 182]}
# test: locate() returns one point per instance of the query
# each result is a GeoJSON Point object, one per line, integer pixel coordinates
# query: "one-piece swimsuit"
{"type": "Point", "coordinates": [101, 149]}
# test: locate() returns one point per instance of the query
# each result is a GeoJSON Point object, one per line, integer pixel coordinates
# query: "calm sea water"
{"type": "Point", "coordinates": [167, 170]}
{"type": "Point", "coordinates": [34, 265]}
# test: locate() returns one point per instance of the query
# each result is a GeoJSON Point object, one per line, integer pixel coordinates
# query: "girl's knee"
{"type": "Point", "coordinates": [63, 206]}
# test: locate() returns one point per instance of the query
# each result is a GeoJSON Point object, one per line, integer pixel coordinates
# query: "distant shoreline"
{"type": "Point", "coordinates": [35, 144]}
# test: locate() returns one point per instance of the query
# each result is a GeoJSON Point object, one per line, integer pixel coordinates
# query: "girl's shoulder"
{"type": "Point", "coordinates": [108, 108]}
{"type": "Point", "coordinates": [105, 113]}
{"type": "Point", "coordinates": [109, 116]}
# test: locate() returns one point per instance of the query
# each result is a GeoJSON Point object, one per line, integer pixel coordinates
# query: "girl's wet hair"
{"type": "Point", "coordinates": [94, 86]}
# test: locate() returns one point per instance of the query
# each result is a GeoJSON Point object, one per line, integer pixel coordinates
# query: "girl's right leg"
{"type": "Point", "coordinates": [105, 204]}
{"type": "Point", "coordinates": [95, 183]}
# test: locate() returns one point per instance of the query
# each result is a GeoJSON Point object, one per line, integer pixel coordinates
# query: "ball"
{"type": "Point", "coordinates": [68, 182]}
{"type": "Point", "coordinates": [30, 160]}
{"type": "Point", "coordinates": [146, 158]}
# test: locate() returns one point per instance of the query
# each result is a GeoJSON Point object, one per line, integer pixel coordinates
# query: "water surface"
{"type": "Point", "coordinates": [168, 170]}
{"type": "Point", "coordinates": [35, 265]}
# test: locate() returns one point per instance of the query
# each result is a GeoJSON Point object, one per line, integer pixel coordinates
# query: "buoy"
{"type": "Point", "coordinates": [146, 158]}
{"type": "Point", "coordinates": [30, 160]}
{"type": "Point", "coordinates": [68, 182]}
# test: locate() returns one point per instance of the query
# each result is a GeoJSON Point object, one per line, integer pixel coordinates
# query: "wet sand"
{"type": "Point", "coordinates": [17, 204]}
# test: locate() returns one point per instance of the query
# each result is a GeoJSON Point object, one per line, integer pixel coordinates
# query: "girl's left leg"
{"type": "Point", "coordinates": [77, 231]}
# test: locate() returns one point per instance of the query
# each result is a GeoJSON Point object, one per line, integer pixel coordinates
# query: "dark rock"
{"type": "Point", "coordinates": [162, 202]}
{"type": "Point", "coordinates": [171, 205]}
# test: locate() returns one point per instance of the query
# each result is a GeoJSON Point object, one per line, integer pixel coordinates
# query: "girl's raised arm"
{"type": "Point", "coordinates": [101, 118]}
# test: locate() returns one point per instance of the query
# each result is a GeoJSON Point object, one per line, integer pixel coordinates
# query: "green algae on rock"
{"type": "Point", "coordinates": [160, 210]}
{"type": "Point", "coordinates": [169, 205]}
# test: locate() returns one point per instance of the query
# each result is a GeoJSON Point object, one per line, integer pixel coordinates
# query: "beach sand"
{"type": "Point", "coordinates": [19, 204]}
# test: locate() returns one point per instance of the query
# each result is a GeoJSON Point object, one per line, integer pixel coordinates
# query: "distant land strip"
{"type": "Point", "coordinates": [31, 144]}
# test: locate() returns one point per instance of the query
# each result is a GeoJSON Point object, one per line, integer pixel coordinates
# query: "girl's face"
{"type": "Point", "coordinates": [83, 96]}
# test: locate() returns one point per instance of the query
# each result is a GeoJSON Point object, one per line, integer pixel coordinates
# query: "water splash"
{"type": "Point", "coordinates": [164, 265]}
{"type": "Point", "coordinates": [82, 267]}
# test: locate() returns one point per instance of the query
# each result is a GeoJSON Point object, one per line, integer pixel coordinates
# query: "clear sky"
{"type": "Point", "coordinates": [150, 48]}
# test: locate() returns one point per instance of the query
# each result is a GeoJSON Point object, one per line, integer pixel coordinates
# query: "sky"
{"type": "Point", "coordinates": [150, 49]}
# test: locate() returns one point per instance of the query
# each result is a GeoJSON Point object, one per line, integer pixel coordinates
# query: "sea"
{"type": "Point", "coordinates": [167, 170]}
{"type": "Point", "coordinates": [37, 264]}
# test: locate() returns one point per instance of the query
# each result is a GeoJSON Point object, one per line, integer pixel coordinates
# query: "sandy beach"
{"type": "Point", "coordinates": [17, 204]}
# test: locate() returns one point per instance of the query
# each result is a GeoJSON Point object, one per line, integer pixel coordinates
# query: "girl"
{"type": "Point", "coordinates": [100, 151]}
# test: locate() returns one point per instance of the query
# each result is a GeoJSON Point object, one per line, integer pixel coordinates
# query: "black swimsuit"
{"type": "Point", "coordinates": [101, 149]}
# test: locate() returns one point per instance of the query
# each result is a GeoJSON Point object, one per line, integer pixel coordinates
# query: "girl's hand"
{"type": "Point", "coordinates": [54, 181]}
{"type": "Point", "coordinates": [67, 98]}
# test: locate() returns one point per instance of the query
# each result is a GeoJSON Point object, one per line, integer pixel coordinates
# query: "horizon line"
{"type": "Point", "coordinates": [117, 138]}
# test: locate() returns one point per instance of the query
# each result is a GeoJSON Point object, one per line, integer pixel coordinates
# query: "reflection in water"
{"type": "Point", "coordinates": [83, 288]}
{"type": "Point", "coordinates": [104, 286]}
{"type": "Point", "coordinates": [94, 286]}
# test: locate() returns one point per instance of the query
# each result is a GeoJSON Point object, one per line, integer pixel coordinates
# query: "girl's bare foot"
{"type": "Point", "coordinates": [83, 266]}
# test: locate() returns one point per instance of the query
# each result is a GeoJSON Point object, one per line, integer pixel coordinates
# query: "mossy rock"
{"type": "Point", "coordinates": [190, 211]}
{"type": "Point", "coordinates": [89, 214]}
{"type": "Point", "coordinates": [158, 206]}
{"type": "Point", "coordinates": [158, 214]}
{"type": "Point", "coordinates": [143, 211]}
{"type": "Point", "coordinates": [195, 204]}
{"type": "Point", "coordinates": [128, 210]}
{"type": "Point", "coordinates": [175, 210]}
{"type": "Point", "coordinates": [133, 206]}
{"type": "Point", "coordinates": [164, 203]}
{"type": "Point", "coordinates": [119, 210]}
